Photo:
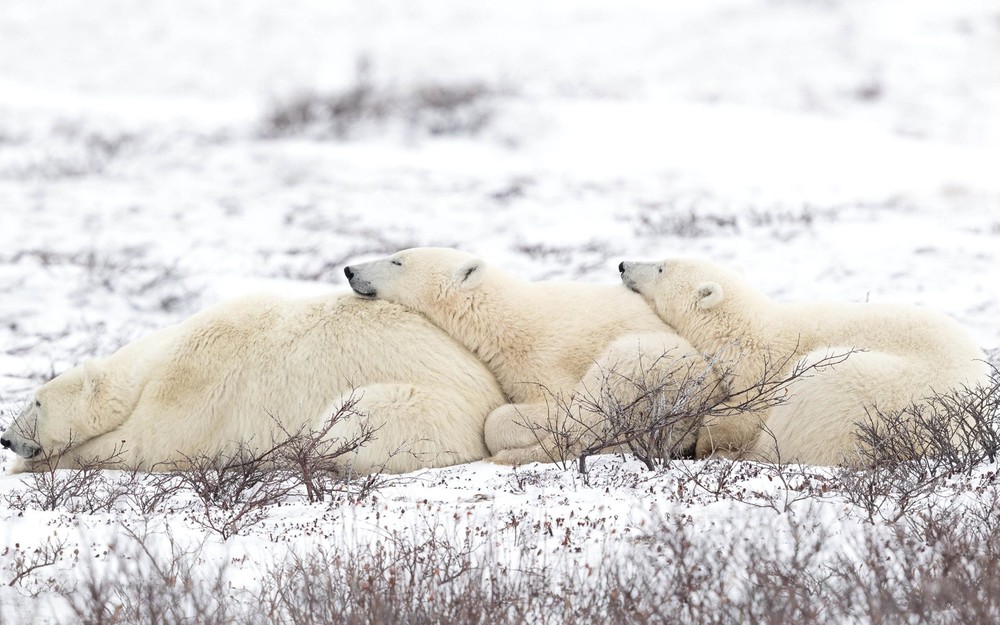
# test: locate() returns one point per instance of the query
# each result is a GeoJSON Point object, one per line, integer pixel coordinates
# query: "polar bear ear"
{"type": "Point", "coordinates": [91, 377]}
{"type": "Point", "coordinates": [470, 273]}
{"type": "Point", "coordinates": [710, 294]}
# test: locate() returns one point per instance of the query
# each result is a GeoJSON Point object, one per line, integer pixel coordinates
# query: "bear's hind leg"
{"type": "Point", "coordinates": [403, 427]}
{"type": "Point", "coordinates": [513, 426]}
{"type": "Point", "coordinates": [646, 392]}
{"type": "Point", "coordinates": [818, 424]}
{"type": "Point", "coordinates": [522, 433]}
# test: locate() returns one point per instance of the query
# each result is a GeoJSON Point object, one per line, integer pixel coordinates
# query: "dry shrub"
{"type": "Point", "coordinates": [321, 463]}
{"type": "Point", "coordinates": [147, 284]}
{"type": "Point", "coordinates": [433, 109]}
{"type": "Point", "coordinates": [696, 215]}
{"type": "Point", "coordinates": [908, 455]}
{"type": "Point", "coordinates": [25, 561]}
{"type": "Point", "coordinates": [151, 578]}
{"type": "Point", "coordinates": [656, 419]}
{"type": "Point", "coordinates": [235, 489]}
{"type": "Point", "coordinates": [941, 567]}
{"type": "Point", "coordinates": [394, 581]}
{"type": "Point", "coordinates": [947, 433]}
{"type": "Point", "coordinates": [948, 572]}
{"type": "Point", "coordinates": [82, 490]}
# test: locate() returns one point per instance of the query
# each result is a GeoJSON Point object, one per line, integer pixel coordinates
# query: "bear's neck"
{"type": "Point", "coordinates": [115, 396]}
{"type": "Point", "coordinates": [750, 349]}
{"type": "Point", "coordinates": [492, 321]}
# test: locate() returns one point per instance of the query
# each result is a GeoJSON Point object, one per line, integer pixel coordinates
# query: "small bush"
{"type": "Point", "coordinates": [151, 578]}
{"type": "Point", "coordinates": [656, 418]}
{"type": "Point", "coordinates": [698, 215]}
{"type": "Point", "coordinates": [147, 284]}
{"type": "Point", "coordinates": [321, 463]}
{"type": "Point", "coordinates": [236, 488]}
{"type": "Point", "coordinates": [908, 455]}
{"type": "Point", "coordinates": [431, 109]}
{"type": "Point", "coordinates": [82, 490]}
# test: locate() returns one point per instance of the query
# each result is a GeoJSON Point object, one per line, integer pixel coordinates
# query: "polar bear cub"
{"type": "Point", "coordinates": [566, 354]}
{"type": "Point", "coordinates": [247, 373]}
{"type": "Point", "coordinates": [868, 359]}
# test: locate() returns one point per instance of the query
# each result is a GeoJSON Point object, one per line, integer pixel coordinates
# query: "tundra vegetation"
{"type": "Point", "coordinates": [258, 155]}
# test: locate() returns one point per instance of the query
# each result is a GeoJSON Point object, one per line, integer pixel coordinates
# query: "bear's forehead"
{"type": "Point", "coordinates": [435, 257]}
{"type": "Point", "coordinates": [698, 268]}
{"type": "Point", "coordinates": [68, 381]}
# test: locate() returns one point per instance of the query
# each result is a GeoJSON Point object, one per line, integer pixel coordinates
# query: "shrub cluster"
{"type": "Point", "coordinates": [431, 109]}
{"type": "Point", "coordinates": [940, 572]}
{"type": "Point", "coordinates": [917, 538]}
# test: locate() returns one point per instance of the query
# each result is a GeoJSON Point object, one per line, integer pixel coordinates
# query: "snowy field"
{"type": "Point", "coordinates": [158, 157]}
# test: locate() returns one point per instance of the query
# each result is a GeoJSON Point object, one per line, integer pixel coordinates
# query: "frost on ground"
{"type": "Point", "coordinates": [157, 158]}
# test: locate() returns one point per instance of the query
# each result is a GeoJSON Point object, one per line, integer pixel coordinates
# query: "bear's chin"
{"type": "Point", "coordinates": [631, 286]}
{"type": "Point", "coordinates": [28, 454]}
{"type": "Point", "coordinates": [363, 288]}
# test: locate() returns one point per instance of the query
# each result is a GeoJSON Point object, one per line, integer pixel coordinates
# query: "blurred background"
{"type": "Point", "coordinates": [158, 156]}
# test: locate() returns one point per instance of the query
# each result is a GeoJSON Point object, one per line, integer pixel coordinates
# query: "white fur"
{"type": "Point", "coordinates": [907, 354]}
{"type": "Point", "coordinates": [554, 347]}
{"type": "Point", "coordinates": [229, 375]}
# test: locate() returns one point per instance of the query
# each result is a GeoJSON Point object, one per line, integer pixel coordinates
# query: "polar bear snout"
{"type": "Point", "coordinates": [628, 279]}
{"type": "Point", "coordinates": [21, 447]}
{"type": "Point", "coordinates": [360, 286]}
{"type": "Point", "coordinates": [637, 276]}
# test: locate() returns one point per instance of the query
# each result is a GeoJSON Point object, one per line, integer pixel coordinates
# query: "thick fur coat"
{"type": "Point", "coordinates": [563, 352]}
{"type": "Point", "coordinates": [247, 372]}
{"type": "Point", "coordinates": [861, 361]}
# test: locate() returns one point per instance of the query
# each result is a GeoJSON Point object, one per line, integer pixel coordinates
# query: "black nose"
{"type": "Point", "coordinates": [5, 442]}
{"type": "Point", "coordinates": [348, 273]}
{"type": "Point", "coordinates": [621, 267]}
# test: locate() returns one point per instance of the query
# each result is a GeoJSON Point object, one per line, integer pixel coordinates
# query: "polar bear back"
{"type": "Point", "coordinates": [330, 343]}
{"type": "Point", "coordinates": [910, 331]}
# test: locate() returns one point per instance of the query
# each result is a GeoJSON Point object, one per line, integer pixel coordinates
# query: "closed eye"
{"type": "Point", "coordinates": [396, 262]}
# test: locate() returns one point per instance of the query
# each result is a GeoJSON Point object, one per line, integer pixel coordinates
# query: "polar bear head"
{"type": "Point", "coordinates": [424, 279]}
{"type": "Point", "coordinates": [71, 408]}
{"type": "Point", "coordinates": [692, 294]}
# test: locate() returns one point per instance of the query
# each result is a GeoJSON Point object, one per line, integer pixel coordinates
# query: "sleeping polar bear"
{"type": "Point", "coordinates": [894, 357]}
{"type": "Point", "coordinates": [244, 374]}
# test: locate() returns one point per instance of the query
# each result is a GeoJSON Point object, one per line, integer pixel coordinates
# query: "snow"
{"type": "Point", "coordinates": [842, 149]}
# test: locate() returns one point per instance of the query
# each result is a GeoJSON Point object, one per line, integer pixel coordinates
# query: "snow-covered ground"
{"type": "Point", "coordinates": [158, 157]}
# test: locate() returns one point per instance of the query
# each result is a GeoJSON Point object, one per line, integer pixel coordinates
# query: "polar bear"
{"type": "Point", "coordinates": [860, 361]}
{"type": "Point", "coordinates": [568, 355]}
{"type": "Point", "coordinates": [247, 373]}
